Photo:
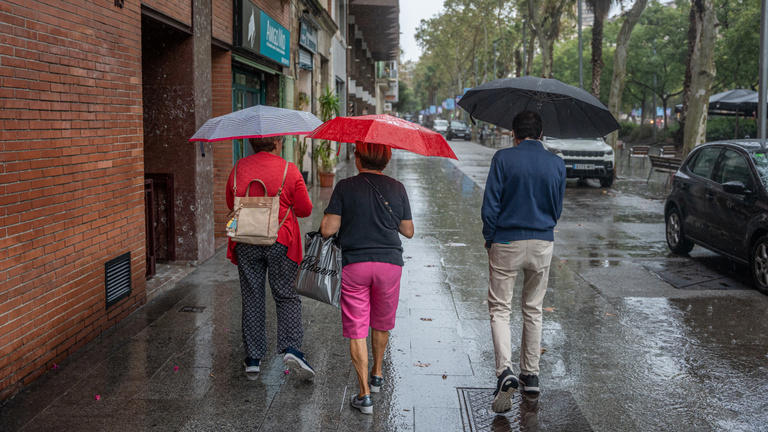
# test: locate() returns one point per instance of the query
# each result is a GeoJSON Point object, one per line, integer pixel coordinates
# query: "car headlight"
{"type": "Point", "coordinates": [609, 152]}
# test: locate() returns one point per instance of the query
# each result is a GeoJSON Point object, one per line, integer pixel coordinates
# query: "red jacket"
{"type": "Point", "coordinates": [268, 168]}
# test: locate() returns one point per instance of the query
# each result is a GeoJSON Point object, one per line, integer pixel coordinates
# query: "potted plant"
{"type": "Point", "coordinates": [323, 153]}
{"type": "Point", "coordinates": [301, 151]}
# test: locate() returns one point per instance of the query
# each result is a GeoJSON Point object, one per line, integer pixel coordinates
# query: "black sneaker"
{"type": "Point", "coordinates": [295, 361]}
{"type": "Point", "coordinates": [375, 383]}
{"type": "Point", "coordinates": [530, 383]}
{"type": "Point", "coordinates": [364, 404]}
{"type": "Point", "coordinates": [251, 365]}
{"type": "Point", "coordinates": [505, 386]}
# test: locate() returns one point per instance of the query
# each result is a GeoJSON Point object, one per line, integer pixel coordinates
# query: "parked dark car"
{"type": "Point", "coordinates": [459, 129]}
{"type": "Point", "coordinates": [719, 201]}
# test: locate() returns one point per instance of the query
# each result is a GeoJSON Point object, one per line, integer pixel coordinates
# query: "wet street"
{"type": "Point", "coordinates": [634, 339]}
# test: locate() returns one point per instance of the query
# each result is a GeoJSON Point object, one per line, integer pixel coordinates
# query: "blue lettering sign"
{"type": "Point", "coordinates": [274, 40]}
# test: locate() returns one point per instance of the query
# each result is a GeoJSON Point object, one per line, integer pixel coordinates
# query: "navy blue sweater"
{"type": "Point", "coordinates": [523, 194]}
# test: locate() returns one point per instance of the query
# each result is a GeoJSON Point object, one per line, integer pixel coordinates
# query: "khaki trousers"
{"type": "Point", "coordinates": [505, 260]}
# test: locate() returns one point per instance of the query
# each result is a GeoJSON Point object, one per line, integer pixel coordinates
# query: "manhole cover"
{"type": "Point", "coordinates": [552, 410]}
{"type": "Point", "coordinates": [193, 309]}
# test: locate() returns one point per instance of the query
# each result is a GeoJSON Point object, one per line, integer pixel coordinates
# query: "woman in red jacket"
{"type": "Point", "coordinates": [280, 260]}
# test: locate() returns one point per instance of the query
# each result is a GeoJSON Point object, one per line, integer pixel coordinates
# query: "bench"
{"type": "Point", "coordinates": [665, 164]}
{"type": "Point", "coordinates": [668, 151]}
{"type": "Point", "coordinates": [637, 151]}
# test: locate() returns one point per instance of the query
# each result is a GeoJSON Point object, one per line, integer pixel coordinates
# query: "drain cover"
{"type": "Point", "coordinates": [694, 276]}
{"type": "Point", "coordinates": [552, 410]}
{"type": "Point", "coordinates": [193, 309]}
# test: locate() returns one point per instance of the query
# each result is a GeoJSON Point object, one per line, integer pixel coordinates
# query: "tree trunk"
{"type": "Point", "coordinates": [597, 53]}
{"type": "Point", "coordinates": [701, 63]}
{"type": "Point", "coordinates": [620, 63]}
{"type": "Point", "coordinates": [529, 55]}
{"type": "Point", "coordinates": [547, 48]}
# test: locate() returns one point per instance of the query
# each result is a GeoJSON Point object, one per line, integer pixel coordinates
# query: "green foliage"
{"type": "Point", "coordinates": [738, 45]}
{"type": "Point", "coordinates": [626, 129]}
{"type": "Point", "coordinates": [641, 133]}
{"type": "Point", "coordinates": [458, 46]}
{"type": "Point", "coordinates": [329, 108]}
{"type": "Point", "coordinates": [657, 54]}
{"type": "Point", "coordinates": [722, 128]}
{"type": "Point", "coordinates": [406, 99]}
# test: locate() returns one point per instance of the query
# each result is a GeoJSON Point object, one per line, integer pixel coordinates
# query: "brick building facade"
{"type": "Point", "coordinates": [71, 176]}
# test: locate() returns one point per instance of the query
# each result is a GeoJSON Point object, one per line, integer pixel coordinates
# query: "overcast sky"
{"type": "Point", "coordinates": [413, 11]}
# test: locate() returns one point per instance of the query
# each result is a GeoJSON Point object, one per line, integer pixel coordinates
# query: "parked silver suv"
{"type": "Point", "coordinates": [584, 158]}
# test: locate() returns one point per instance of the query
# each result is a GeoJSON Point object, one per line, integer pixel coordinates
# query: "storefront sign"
{"type": "Point", "coordinates": [261, 34]}
{"type": "Point", "coordinates": [305, 59]}
{"type": "Point", "coordinates": [308, 37]}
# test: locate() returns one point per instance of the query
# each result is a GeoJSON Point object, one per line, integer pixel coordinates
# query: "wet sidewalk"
{"type": "Point", "coordinates": [611, 362]}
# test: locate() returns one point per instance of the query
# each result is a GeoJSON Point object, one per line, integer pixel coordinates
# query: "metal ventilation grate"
{"type": "Point", "coordinates": [117, 278]}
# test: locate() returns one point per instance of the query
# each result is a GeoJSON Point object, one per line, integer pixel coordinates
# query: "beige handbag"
{"type": "Point", "coordinates": [255, 218]}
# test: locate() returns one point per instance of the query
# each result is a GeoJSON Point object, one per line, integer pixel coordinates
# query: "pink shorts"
{"type": "Point", "coordinates": [369, 296]}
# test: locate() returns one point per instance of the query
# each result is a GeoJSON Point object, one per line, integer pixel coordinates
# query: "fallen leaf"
{"type": "Point", "coordinates": [55, 366]}
{"type": "Point", "coordinates": [543, 350]}
{"type": "Point", "coordinates": [426, 319]}
{"type": "Point", "coordinates": [550, 309]}
{"type": "Point", "coordinates": [175, 368]}
{"type": "Point", "coordinates": [610, 314]}
{"type": "Point", "coordinates": [287, 371]}
{"type": "Point", "coordinates": [212, 375]}
{"type": "Point", "coordinates": [422, 365]}
{"type": "Point", "coordinates": [445, 376]}
{"type": "Point", "coordinates": [406, 409]}
{"type": "Point", "coordinates": [97, 397]}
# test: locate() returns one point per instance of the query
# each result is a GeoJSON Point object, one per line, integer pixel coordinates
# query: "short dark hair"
{"type": "Point", "coordinates": [267, 144]}
{"type": "Point", "coordinates": [373, 156]}
{"type": "Point", "coordinates": [527, 124]}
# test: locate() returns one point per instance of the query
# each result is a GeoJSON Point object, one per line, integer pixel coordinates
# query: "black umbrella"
{"type": "Point", "coordinates": [566, 111]}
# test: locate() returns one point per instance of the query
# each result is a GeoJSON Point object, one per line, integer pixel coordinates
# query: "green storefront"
{"type": "Point", "coordinates": [262, 49]}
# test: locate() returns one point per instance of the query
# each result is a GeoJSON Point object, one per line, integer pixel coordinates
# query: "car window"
{"type": "Point", "coordinates": [761, 163]}
{"type": "Point", "coordinates": [457, 125]}
{"type": "Point", "coordinates": [441, 122]}
{"type": "Point", "coordinates": [704, 162]}
{"type": "Point", "coordinates": [734, 167]}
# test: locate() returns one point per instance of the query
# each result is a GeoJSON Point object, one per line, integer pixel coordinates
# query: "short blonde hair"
{"type": "Point", "coordinates": [373, 156]}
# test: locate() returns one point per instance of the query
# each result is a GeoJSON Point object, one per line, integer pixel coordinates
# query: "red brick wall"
{"type": "Point", "coordinates": [180, 10]}
{"type": "Point", "coordinates": [222, 20]}
{"type": "Point", "coordinates": [221, 64]}
{"type": "Point", "coordinates": [279, 10]}
{"type": "Point", "coordinates": [71, 176]}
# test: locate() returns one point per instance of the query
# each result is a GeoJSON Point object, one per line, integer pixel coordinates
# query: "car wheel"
{"type": "Point", "coordinates": [675, 236]}
{"type": "Point", "coordinates": [759, 264]}
{"type": "Point", "coordinates": [606, 182]}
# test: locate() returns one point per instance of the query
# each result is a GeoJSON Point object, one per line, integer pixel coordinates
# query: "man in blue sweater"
{"type": "Point", "coordinates": [522, 203]}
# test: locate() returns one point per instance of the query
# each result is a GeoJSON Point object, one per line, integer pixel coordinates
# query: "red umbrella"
{"type": "Point", "coordinates": [386, 130]}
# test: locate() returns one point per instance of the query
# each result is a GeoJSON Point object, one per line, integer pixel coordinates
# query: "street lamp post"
{"type": "Point", "coordinates": [763, 73]}
{"type": "Point", "coordinates": [581, 57]}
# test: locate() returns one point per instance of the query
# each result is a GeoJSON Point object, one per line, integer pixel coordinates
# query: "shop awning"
{"type": "Point", "coordinates": [378, 20]}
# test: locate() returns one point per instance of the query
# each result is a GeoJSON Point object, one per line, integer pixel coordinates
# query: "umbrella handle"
{"type": "Point", "coordinates": [202, 148]}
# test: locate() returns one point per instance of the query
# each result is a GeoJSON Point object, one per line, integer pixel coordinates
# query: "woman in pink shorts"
{"type": "Point", "coordinates": [369, 211]}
